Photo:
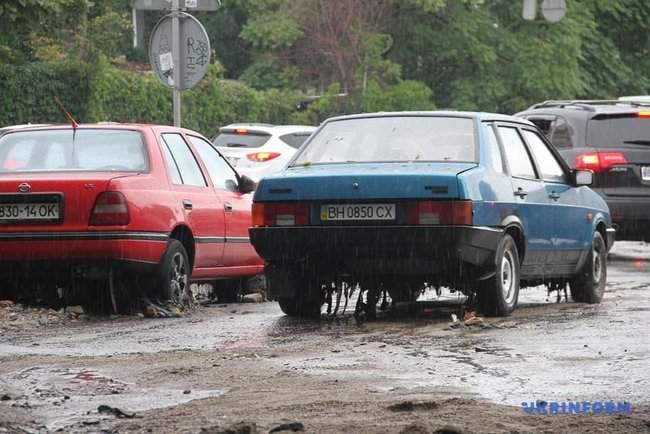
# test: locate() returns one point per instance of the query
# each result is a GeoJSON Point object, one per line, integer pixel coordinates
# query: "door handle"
{"type": "Point", "coordinates": [187, 204]}
{"type": "Point", "coordinates": [554, 195]}
{"type": "Point", "coordinates": [521, 193]}
{"type": "Point", "coordinates": [227, 207]}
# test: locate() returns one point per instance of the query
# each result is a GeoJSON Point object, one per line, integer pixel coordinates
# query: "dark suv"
{"type": "Point", "coordinates": [611, 138]}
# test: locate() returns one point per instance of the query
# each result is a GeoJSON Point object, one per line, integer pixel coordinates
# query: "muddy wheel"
{"type": "Point", "coordinates": [294, 307]}
{"type": "Point", "coordinates": [227, 291]}
{"type": "Point", "coordinates": [174, 273]}
{"type": "Point", "coordinates": [498, 295]}
{"type": "Point", "coordinates": [588, 286]}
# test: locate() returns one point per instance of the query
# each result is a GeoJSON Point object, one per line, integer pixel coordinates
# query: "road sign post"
{"type": "Point", "coordinates": [179, 49]}
{"type": "Point", "coordinates": [177, 68]}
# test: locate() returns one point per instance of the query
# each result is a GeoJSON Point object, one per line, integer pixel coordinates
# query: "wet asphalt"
{"type": "Point", "coordinates": [547, 350]}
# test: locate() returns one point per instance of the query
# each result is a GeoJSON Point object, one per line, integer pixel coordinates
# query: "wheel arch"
{"type": "Point", "coordinates": [184, 234]}
{"type": "Point", "coordinates": [513, 227]}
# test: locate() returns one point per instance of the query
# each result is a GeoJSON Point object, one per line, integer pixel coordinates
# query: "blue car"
{"type": "Point", "coordinates": [480, 203]}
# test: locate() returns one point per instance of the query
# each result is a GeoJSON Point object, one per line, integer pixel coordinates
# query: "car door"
{"type": "Point", "coordinates": [530, 201]}
{"type": "Point", "coordinates": [569, 223]}
{"type": "Point", "coordinates": [201, 207]}
{"type": "Point", "coordinates": [236, 206]}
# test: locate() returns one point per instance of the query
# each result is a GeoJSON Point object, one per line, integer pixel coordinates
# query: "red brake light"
{"type": "Point", "coordinates": [261, 157]}
{"type": "Point", "coordinates": [241, 131]}
{"type": "Point", "coordinates": [111, 208]}
{"type": "Point", "coordinates": [599, 161]}
{"type": "Point", "coordinates": [280, 214]}
{"type": "Point", "coordinates": [458, 212]}
{"type": "Point", "coordinates": [643, 115]}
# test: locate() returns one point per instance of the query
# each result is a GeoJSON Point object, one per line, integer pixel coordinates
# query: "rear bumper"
{"type": "Point", "coordinates": [631, 216]}
{"type": "Point", "coordinates": [370, 250]}
{"type": "Point", "coordinates": [139, 247]}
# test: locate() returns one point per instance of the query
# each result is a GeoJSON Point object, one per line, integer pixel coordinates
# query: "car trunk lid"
{"type": "Point", "coordinates": [72, 194]}
{"type": "Point", "coordinates": [364, 181]}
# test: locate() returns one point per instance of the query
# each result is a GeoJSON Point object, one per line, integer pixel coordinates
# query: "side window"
{"type": "Point", "coordinates": [172, 167]}
{"type": "Point", "coordinates": [516, 154]}
{"type": "Point", "coordinates": [190, 172]}
{"type": "Point", "coordinates": [548, 164]}
{"type": "Point", "coordinates": [561, 134]}
{"type": "Point", "coordinates": [222, 175]}
{"type": "Point", "coordinates": [495, 152]}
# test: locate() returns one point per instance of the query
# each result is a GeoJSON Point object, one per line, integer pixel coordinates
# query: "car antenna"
{"type": "Point", "coordinates": [74, 123]}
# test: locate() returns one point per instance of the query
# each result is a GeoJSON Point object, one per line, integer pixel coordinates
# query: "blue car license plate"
{"type": "Point", "coordinates": [366, 211]}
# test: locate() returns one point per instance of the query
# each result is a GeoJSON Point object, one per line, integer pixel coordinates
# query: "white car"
{"type": "Point", "coordinates": [260, 149]}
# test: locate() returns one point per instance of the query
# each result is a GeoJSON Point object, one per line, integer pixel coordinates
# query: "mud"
{"type": "Point", "coordinates": [412, 372]}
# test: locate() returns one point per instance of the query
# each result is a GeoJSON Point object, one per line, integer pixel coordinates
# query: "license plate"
{"type": "Point", "coordinates": [374, 211]}
{"type": "Point", "coordinates": [29, 211]}
{"type": "Point", "coordinates": [645, 173]}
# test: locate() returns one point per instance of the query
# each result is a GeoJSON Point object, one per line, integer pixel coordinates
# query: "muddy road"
{"type": "Point", "coordinates": [407, 372]}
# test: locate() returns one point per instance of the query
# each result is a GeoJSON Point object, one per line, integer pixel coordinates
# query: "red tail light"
{"type": "Point", "coordinates": [645, 115]}
{"type": "Point", "coordinates": [111, 208]}
{"type": "Point", "coordinates": [458, 212]}
{"type": "Point", "coordinates": [599, 161]}
{"type": "Point", "coordinates": [261, 157]}
{"type": "Point", "coordinates": [280, 214]}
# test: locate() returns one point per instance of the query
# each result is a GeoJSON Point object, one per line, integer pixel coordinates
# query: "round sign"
{"type": "Point", "coordinates": [194, 56]}
{"type": "Point", "coordinates": [553, 10]}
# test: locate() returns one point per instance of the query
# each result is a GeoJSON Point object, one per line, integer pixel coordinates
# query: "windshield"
{"type": "Point", "coordinates": [55, 150]}
{"type": "Point", "coordinates": [391, 139]}
{"type": "Point", "coordinates": [617, 131]}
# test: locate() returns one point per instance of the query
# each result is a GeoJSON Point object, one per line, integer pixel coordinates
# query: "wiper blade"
{"type": "Point", "coordinates": [638, 142]}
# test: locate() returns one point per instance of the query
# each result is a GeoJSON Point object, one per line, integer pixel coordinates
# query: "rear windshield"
{"type": "Point", "coordinates": [392, 138]}
{"type": "Point", "coordinates": [245, 140]}
{"type": "Point", "coordinates": [618, 131]}
{"type": "Point", "coordinates": [295, 140]}
{"type": "Point", "coordinates": [63, 150]}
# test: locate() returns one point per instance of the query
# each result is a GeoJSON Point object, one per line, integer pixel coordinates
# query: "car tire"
{"type": "Point", "coordinates": [498, 295]}
{"type": "Point", "coordinates": [295, 307]}
{"type": "Point", "coordinates": [227, 291]}
{"type": "Point", "coordinates": [174, 273]}
{"type": "Point", "coordinates": [588, 286]}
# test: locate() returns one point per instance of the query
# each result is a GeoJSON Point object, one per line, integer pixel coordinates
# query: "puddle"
{"type": "Point", "coordinates": [63, 396]}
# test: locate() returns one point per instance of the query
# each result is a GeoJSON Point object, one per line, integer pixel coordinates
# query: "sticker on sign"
{"type": "Point", "coordinates": [191, 4]}
{"type": "Point", "coordinates": [166, 61]}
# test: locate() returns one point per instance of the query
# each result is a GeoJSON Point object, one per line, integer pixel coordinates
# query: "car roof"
{"type": "Point", "coordinates": [269, 128]}
{"type": "Point", "coordinates": [588, 108]}
{"type": "Point", "coordinates": [480, 116]}
{"type": "Point", "coordinates": [98, 125]}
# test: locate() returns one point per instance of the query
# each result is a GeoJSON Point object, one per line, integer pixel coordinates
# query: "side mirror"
{"type": "Point", "coordinates": [583, 177]}
{"type": "Point", "coordinates": [246, 185]}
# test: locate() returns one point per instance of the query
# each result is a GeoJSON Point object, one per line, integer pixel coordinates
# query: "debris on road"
{"type": "Point", "coordinates": [238, 428]}
{"type": "Point", "coordinates": [255, 297]}
{"type": "Point", "coordinates": [291, 427]}
{"type": "Point", "coordinates": [107, 409]}
{"type": "Point", "coordinates": [413, 406]}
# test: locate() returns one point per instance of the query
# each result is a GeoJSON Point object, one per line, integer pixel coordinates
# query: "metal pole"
{"type": "Point", "coordinates": [176, 56]}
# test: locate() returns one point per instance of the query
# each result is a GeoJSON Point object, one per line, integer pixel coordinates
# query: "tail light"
{"type": "Point", "coordinates": [260, 157]}
{"type": "Point", "coordinates": [280, 214]}
{"type": "Point", "coordinates": [645, 115]}
{"type": "Point", "coordinates": [599, 161]}
{"type": "Point", "coordinates": [458, 212]}
{"type": "Point", "coordinates": [111, 208]}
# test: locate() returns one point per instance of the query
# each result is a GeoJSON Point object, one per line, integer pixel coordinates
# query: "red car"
{"type": "Point", "coordinates": [154, 204]}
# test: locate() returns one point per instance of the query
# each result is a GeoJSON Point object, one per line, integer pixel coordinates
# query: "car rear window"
{"type": "Point", "coordinates": [606, 131]}
{"type": "Point", "coordinates": [241, 140]}
{"type": "Point", "coordinates": [63, 150]}
{"type": "Point", "coordinates": [392, 138]}
{"type": "Point", "coordinates": [295, 140]}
